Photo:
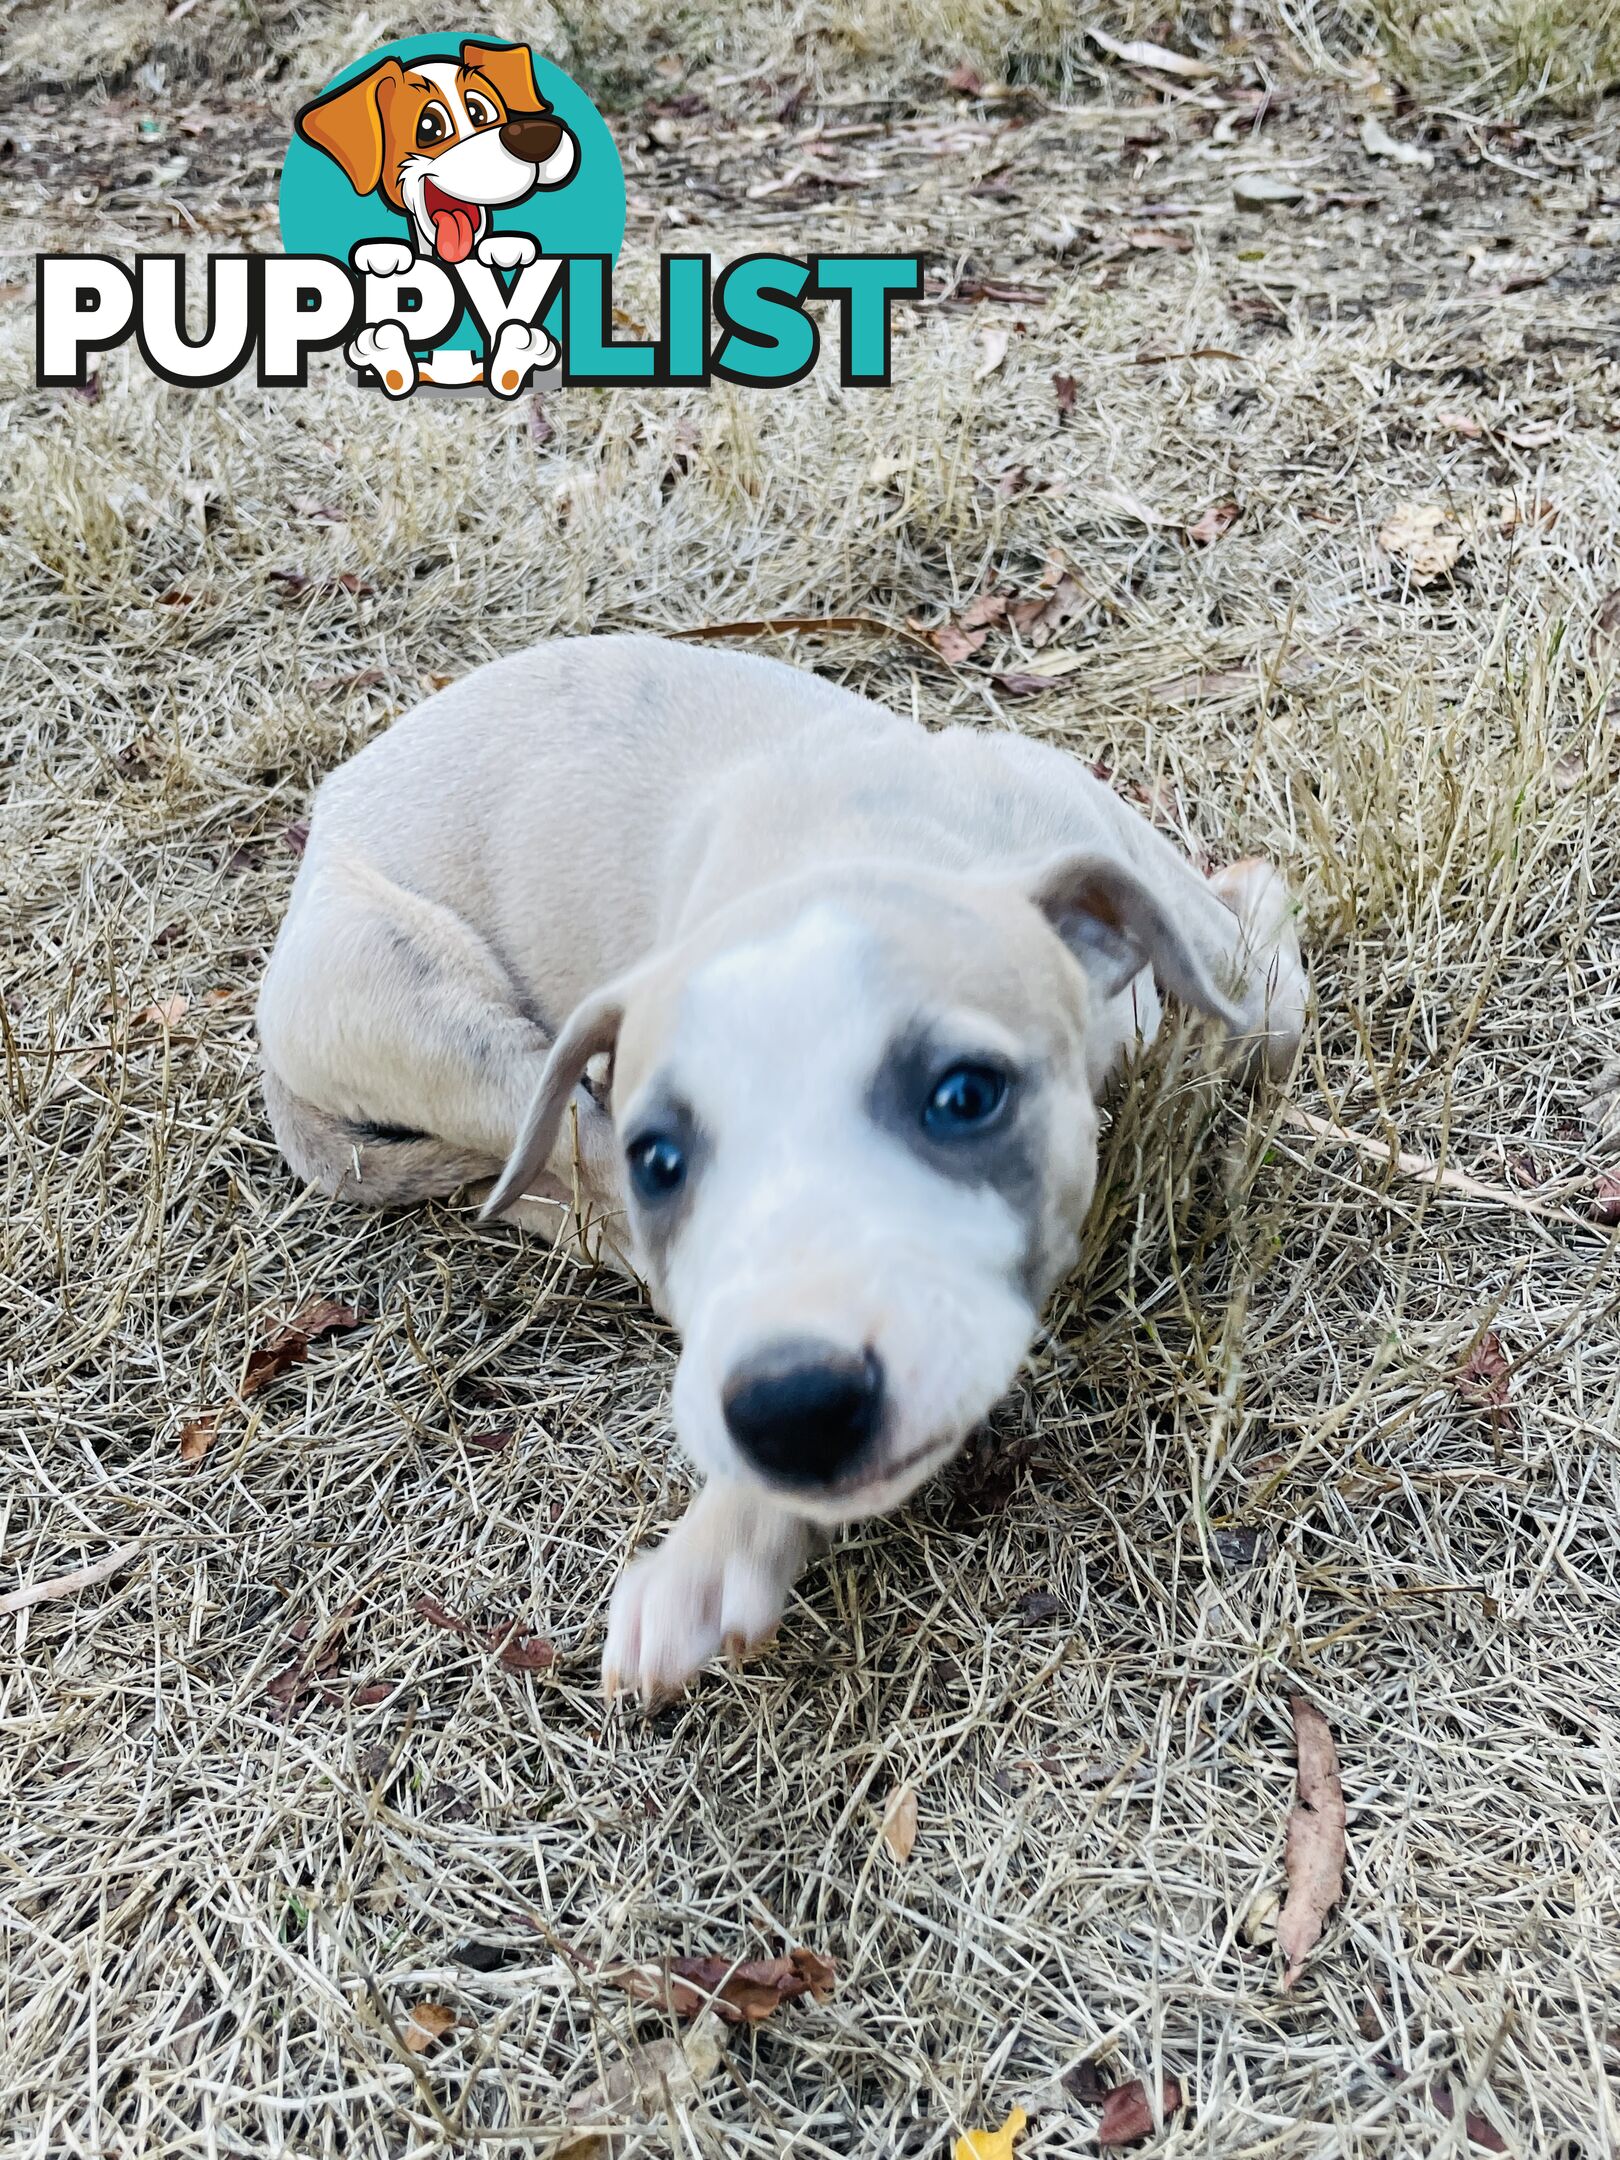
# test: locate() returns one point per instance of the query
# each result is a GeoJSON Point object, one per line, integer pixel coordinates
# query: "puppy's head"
{"type": "Point", "coordinates": [444, 141]}
{"type": "Point", "coordinates": [859, 1138]}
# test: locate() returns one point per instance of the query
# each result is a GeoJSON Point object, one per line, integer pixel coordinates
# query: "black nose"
{"type": "Point", "coordinates": [531, 136]}
{"type": "Point", "coordinates": [804, 1412]}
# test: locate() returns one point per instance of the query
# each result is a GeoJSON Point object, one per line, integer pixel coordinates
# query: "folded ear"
{"type": "Point", "coordinates": [591, 1028]}
{"type": "Point", "coordinates": [511, 69]}
{"type": "Point", "coordinates": [1115, 925]}
{"type": "Point", "coordinates": [348, 124]}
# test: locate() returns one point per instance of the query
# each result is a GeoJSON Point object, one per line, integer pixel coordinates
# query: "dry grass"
{"type": "Point", "coordinates": [1240, 1462]}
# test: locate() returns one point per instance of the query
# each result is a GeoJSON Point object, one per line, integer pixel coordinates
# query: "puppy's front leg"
{"type": "Point", "coordinates": [718, 1581]}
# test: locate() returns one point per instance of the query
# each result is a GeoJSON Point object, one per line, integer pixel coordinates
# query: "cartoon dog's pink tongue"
{"type": "Point", "coordinates": [455, 223]}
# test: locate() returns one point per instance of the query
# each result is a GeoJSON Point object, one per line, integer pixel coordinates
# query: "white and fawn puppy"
{"type": "Point", "coordinates": [799, 1009]}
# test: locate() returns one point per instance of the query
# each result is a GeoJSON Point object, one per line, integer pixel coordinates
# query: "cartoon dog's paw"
{"type": "Point", "coordinates": [382, 258]}
{"type": "Point", "coordinates": [384, 349]}
{"type": "Point", "coordinates": [718, 1582]}
{"type": "Point", "coordinates": [507, 251]}
{"type": "Point", "coordinates": [1276, 994]}
{"type": "Point", "coordinates": [518, 351]}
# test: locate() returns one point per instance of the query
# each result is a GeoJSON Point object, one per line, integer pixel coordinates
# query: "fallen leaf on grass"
{"type": "Point", "coordinates": [995, 340]}
{"type": "Point", "coordinates": [163, 1012]}
{"type": "Point", "coordinates": [427, 2023]}
{"type": "Point", "coordinates": [197, 1436]}
{"type": "Point", "coordinates": [312, 1663]}
{"type": "Point", "coordinates": [955, 644]}
{"type": "Point", "coordinates": [1044, 616]}
{"type": "Point", "coordinates": [1064, 388]}
{"type": "Point", "coordinates": [1476, 2128]}
{"type": "Point", "coordinates": [991, 2144]}
{"type": "Point", "coordinates": [289, 1344]}
{"type": "Point", "coordinates": [1138, 52]}
{"type": "Point", "coordinates": [899, 1831]}
{"type": "Point", "coordinates": [1605, 1199]}
{"type": "Point", "coordinates": [1458, 423]}
{"type": "Point", "coordinates": [965, 78]}
{"type": "Point", "coordinates": [1314, 1850]}
{"type": "Point", "coordinates": [1378, 142]}
{"type": "Point", "coordinates": [651, 2078]}
{"type": "Point", "coordinates": [1214, 523]}
{"type": "Point", "coordinates": [1145, 239]}
{"type": "Point", "coordinates": [742, 1994]}
{"type": "Point", "coordinates": [1423, 536]}
{"type": "Point", "coordinates": [1514, 510]}
{"type": "Point", "coordinates": [296, 583]}
{"type": "Point", "coordinates": [1127, 2116]}
{"type": "Point", "coordinates": [519, 1648]}
{"type": "Point", "coordinates": [1483, 1381]}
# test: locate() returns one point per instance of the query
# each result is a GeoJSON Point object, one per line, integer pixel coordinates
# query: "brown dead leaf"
{"type": "Point", "coordinates": [1064, 389]}
{"type": "Point", "coordinates": [1145, 239]}
{"type": "Point", "coordinates": [1127, 2115]}
{"type": "Point", "coordinates": [1314, 1850]}
{"type": "Point", "coordinates": [899, 1830]}
{"type": "Point", "coordinates": [296, 584]}
{"type": "Point", "coordinates": [163, 1012]}
{"type": "Point", "coordinates": [1046, 616]}
{"type": "Point", "coordinates": [1483, 1381]}
{"type": "Point", "coordinates": [1214, 523]}
{"type": "Point", "coordinates": [518, 1647]}
{"type": "Point", "coordinates": [1605, 1198]}
{"type": "Point", "coordinates": [197, 1436]}
{"type": "Point", "coordinates": [953, 642]}
{"type": "Point", "coordinates": [427, 2024]}
{"type": "Point", "coordinates": [1423, 536]}
{"type": "Point", "coordinates": [990, 607]}
{"type": "Point", "coordinates": [289, 1344]}
{"type": "Point", "coordinates": [742, 1994]}
{"type": "Point", "coordinates": [539, 424]}
{"type": "Point", "coordinates": [362, 679]}
{"type": "Point", "coordinates": [1020, 683]}
{"type": "Point", "coordinates": [1477, 2128]}
{"type": "Point", "coordinates": [1514, 510]}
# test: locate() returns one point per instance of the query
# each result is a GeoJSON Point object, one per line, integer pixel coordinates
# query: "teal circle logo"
{"type": "Point", "coordinates": [452, 150]}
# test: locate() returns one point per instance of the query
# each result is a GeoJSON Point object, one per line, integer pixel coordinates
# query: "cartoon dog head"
{"type": "Point", "coordinates": [445, 141]}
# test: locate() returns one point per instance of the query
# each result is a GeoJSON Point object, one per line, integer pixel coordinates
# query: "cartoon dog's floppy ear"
{"type": "Point", "coordinates": [511, 69]}
{"type": "Point", "coordinates": [347, 123]}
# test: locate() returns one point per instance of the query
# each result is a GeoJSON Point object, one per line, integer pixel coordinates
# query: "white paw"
{"type": "Point", "coordinates": [507, 251]}
{"type": "Point", "coordinates": [384, 348]}
{"type": "Point", "coordinates": [718, 1582]}
{"type": "Point", "coordinates": [383, 258]}
{"type": "Point", "coordinates": [1277, 992]}
{"type": "Point", "coordinates": [517, 352]}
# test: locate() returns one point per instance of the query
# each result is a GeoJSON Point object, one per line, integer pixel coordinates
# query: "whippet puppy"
{"type": "Point", "coordinates": [794, 1008]}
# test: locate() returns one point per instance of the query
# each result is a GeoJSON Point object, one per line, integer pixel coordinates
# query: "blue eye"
{"type": "Point", "coordinates": [657, 1165]}
{"type": "Point", "coordinates": [965, 1099]}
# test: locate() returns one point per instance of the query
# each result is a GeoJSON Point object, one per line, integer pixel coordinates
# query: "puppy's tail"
{"type": "Point", "coordinates": [376, 1165]}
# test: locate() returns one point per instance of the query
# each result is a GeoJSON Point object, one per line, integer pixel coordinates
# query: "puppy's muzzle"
{"type": "Point", "coordinates": [533, 137]}
{"type": "Point", "coordinates": [805, 1413]}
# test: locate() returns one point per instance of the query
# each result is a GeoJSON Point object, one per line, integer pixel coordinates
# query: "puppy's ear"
{"type": "Point", "coordinates": [348, 124]}
{"type": "Point", "coordinates": [592, 1027]}
{"type": "Point", "coordinates": [1115, 925]}
{"type": "Point", "coordinates": [511, 69]}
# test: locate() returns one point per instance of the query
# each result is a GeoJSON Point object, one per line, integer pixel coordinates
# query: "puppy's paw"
{"type": "Point", "coordinates": [383, 258]}
{"type": "Point", "coordinates": [718, 1582]}
{"type": "Point", "coordinates": [1276, 991]}
{"type": "Point", "coordinates": [507, 251]}
{"type": "Point", "coordinates": [517, 352]}
{"type": "Point", "coordinates": [384, 349]}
